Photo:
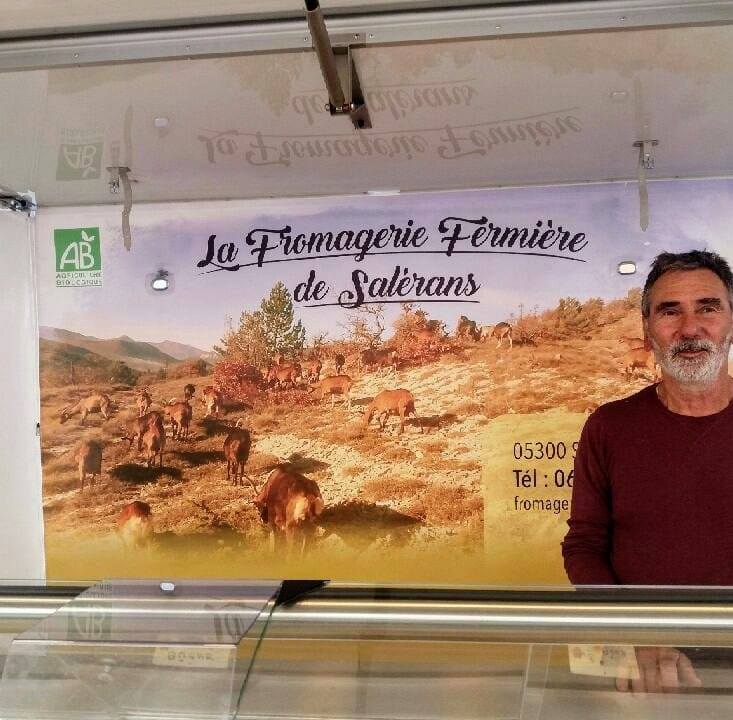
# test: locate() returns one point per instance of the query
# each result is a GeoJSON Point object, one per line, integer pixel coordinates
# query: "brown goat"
{"type": "Point", "coordinates": [143, 402]}
{"type": "Point", "coordinates": [639, 358]}
{"type": "Point", "coordinates": [338, 362]}
{"type": "Point", "coordinates": [499, 331]}
{"type": "Point", "coordinates": [213, 399]}
{"type": "Point", "coordinates": [135, 428]}
{"type": "Point", "coordinates": [179, 415]}
{"type": "Point", "coordinates": [381, 358]}
{"type": "Point", "coordinates": [311, 369]}
{"type": "Point", "coordinates": [334, 385]}
{"type": "Point", "coordinates": [391, 402]}
{"type": "Point", "coordinates": [153, 442]}
{"type": "Point", "coordinates": [289, 503]}
{"type": "Point", "coordinates": [236, 453]}
{"type": "Point", "coordinates": [135, 525]}
{"type": "Point", "coordinates": [282, 375]}
{"type": "Point", "coordinates": [94, 403]}
{"type": "Point", "coordinates": [467, 329]}
{"type": "Point", "coordinates": [89, 459]}
{"type": "Point", "coordinates": [188, 391]}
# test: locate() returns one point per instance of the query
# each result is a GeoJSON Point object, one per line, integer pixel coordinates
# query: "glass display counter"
{"type": "Point", "coordinates": [248, 650]}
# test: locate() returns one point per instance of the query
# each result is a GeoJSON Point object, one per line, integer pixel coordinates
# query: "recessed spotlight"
{"type": "Point", "coordinates": [626, 267]}
{"type": "Point", "coordinates": [160, 281]}
{"type": "Point", "coordinates": [161, 122]}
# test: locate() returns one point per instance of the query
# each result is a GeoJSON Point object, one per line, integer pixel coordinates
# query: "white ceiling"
{"type": "Point", "coordinates": [253, 126]}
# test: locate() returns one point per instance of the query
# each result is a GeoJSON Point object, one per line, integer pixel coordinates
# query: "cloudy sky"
{"type": "Point", "coordinates": [684, 214]}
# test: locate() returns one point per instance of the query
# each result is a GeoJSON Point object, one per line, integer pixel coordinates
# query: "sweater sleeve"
{"type": "Point", "coordinates": [587, 545]}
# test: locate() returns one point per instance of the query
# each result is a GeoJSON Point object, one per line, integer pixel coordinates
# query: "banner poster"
{"type": "Point", "coordinates": [403, 379]}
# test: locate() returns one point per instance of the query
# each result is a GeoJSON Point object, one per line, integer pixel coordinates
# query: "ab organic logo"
{"type": "Point", "coordinates": [78, 257]}
{"type": "Point", "coordinates": [79, 161]}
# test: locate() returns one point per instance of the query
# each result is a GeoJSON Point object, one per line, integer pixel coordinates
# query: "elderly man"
{"type": "Point", "coordinates": [653, 493]}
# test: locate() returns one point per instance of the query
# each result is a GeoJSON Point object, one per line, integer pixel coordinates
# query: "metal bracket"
{"type": "Point", "coordinates": [114, 177]}
{"type": "Point", "coordinates": [354, 104]}
{"type": "Point", "coordinates": [647, 156]}
{"type": "Point", "coordinates": [119, 178]}
{"type": "Point", "coordinates": [18, 202]}
{"type": "Point", "coordinates": [646, 162]}
{"type": "Point", "coordinates": [338, 70]}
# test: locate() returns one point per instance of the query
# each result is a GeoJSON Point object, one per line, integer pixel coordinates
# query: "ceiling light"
{"type": "Point", "coordinates": [384, 191]}
{"type": "Point", "coordinates": [161, 122]}
{"type": "Point", "coordinates": [626, 267]}
{"type": "Point", "coordinates": [160, 281]}
{"type": "Point", "coordinates": [619, 95]}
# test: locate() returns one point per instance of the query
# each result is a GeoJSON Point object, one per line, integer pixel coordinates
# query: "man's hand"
{"type": "Point", "coordinates": [661, 669]}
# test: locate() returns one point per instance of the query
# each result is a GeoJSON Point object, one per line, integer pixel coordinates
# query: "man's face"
{"type": "Point", "coordinates": [689, 325]}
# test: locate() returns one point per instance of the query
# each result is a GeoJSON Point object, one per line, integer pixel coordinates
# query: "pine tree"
{"type": "Point", "coordinates": [282, 334]}
{"type": "Point", "coordinates": [265, 332]}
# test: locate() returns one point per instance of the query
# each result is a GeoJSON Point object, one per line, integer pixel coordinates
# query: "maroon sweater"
{"type": "Point", "coordinates": [652, 497]}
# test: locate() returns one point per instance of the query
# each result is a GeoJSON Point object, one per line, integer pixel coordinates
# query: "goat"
{"type": "Point", "coordinates": [282, 375]}
{"type": "Point", "coordinates": [135, 525]}
{"type": "Point", "coordinates": [236, 452]}
{"type": "Point", "coordinates": [89, 459]}
{"type": "Point", "coordinates": [137, 426]}
{"type": "Point", "coordinates": [499, 331]}
{"type": "Point", "coordinates": [213, 399]}
{"type": "Point", "coordinates": [311, 369]}
{"type": "Point", "coordinates": [143, 402]}
{"type": "Point", "coordinates": [278, 359]}
{"type": "Point", "coordinates": [639, 358]}
{"type": "Point", "coordinates": [391, 402]}
{"type": "Point", "coordinates": [384, 357]}
{"type": "Point", "coordinates": [179, 414]}
{"type": "Point", "coordinates": [467, 329]}
{"type": "Point", "coordinates": [153, 443]}
{"type": "Point", "coordinates": [188, 392]}
{"type": "Point", "coordinates": [289, 503]}
{"type": "Point", "coordinates": [94, 403]}
{"type": "Point", "coordinates": [339, 361]}
{"type": "Point", "coordinates": [334, 385]}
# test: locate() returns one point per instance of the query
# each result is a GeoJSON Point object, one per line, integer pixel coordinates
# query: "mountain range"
{"type": "Point", "coordinates": [137, 354]}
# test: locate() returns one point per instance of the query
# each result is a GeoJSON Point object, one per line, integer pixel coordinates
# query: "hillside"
{"type": "Point", "coordinates": [181, 351]}
{"type": "Point", "coordinates": [138, 355]}
{"type": "Point", "coordinates": [62, 364]}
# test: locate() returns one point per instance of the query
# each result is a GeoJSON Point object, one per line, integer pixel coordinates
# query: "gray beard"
{"type": "Point", "coordinates": [698, 370]}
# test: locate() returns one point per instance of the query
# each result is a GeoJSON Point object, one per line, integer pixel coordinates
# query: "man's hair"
{"type": "Point", "coordinates": [694, 260]}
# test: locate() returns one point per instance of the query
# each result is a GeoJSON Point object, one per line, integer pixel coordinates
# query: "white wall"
{"type": "Point", "coordinates": [21, 514]}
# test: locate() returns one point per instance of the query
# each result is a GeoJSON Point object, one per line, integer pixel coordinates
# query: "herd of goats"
{"type": "Point", "coordinates": [288, 502]}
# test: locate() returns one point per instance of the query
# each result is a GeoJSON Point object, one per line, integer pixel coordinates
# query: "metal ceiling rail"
{"type": "Point", "coordinates": [363, 29]}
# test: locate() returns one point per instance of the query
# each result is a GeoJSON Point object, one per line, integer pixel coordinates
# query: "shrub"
{"type": "Point", "coordinates": [238, 380]}
{"type": "Point", "coordinates": [188, 368]}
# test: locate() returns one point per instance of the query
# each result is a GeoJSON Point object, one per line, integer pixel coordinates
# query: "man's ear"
{"type": "Point", "coordinates": [647, 341]}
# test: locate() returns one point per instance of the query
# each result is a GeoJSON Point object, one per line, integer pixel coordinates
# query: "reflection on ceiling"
{"type": "Point", "coordinates": [493, 112]}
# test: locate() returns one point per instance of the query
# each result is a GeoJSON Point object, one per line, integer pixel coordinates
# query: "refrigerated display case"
{"type": "Point", "coordinates": [242, 650]}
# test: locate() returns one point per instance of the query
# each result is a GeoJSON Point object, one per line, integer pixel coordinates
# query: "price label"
{"type": "Point", "coordinates": [618, 661]}
{"type": "Point", "coordinates": [192, 657]}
